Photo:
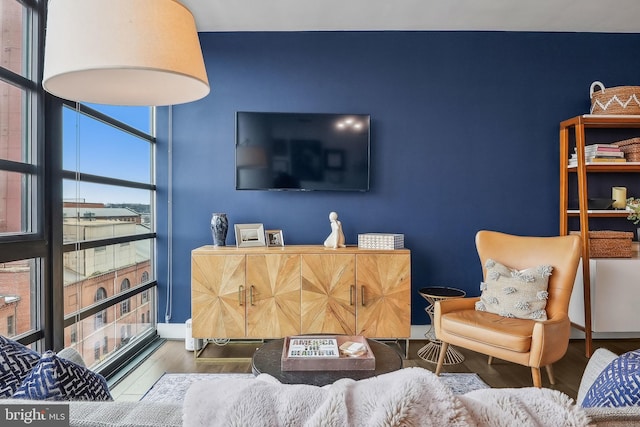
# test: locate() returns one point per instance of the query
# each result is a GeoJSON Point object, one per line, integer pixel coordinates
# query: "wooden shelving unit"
{"type": "Point", "coordinates": [578, 125]}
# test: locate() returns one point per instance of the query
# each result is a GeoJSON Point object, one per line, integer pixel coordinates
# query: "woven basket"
{"type": "Point", "coordinates": [630, 148]}
{"type": "Point", "coordinates": [609, 244]}
{"type": "Point", "coordinates": [614, 100]}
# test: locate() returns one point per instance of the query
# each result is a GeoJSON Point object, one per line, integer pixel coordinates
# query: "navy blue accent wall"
{"type": "Point", "coordinates": [464, 137]}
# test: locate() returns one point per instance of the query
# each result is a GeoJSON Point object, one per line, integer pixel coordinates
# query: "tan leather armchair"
{"type": "Point", "coordinates": [528, 342]}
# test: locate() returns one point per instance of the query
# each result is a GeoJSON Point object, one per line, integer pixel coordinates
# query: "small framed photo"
{"type": "Point", "coordinates": [249, 235]}
{"type": "Point", "coordinates": [274, 238]}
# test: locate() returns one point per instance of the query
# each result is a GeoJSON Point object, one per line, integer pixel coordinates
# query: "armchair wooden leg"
{"type": "Point", "coordinates": [537, 380]}
{"type": "Point", "coordinates": [549, 369]}
{"type": "Point", "coordinates": [490, 360]}
{"type": "Point", "coordinates": [441, 356]}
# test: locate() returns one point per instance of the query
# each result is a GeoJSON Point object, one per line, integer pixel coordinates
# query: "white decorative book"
{"type": "Point", "coordinates": [304, 347]}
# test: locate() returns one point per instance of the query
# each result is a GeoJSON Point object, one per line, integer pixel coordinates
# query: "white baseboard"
{"type": "Point", "coordinates": [172, 331]}
{"type": "Point", "coordinates": [577, 334]}
{"type": "Point", "coordinates": [177, 331]}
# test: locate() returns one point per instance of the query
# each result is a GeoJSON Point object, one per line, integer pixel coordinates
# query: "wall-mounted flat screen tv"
{"type": "Point", "coordinates": [302, 151]}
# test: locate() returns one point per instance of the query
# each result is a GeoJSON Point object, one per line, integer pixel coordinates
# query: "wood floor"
{"type": "Point", "coordinates": [172, 357]}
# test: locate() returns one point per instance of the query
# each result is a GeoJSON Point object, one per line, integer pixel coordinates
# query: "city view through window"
{"type": "Point", "coordinates": [106, 226]}
{"type": "Point", "coordinates": [94, 211]}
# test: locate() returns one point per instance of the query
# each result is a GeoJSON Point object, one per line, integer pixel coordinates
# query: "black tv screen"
{"type": "Point", "coordinates": [302, 151]}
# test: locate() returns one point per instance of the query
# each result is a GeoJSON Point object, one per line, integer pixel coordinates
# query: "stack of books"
{"type": "Point", "coordinates": [599, 153]}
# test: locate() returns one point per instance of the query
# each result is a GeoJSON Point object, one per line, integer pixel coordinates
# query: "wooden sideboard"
{"type": "Point", "coordinates": [274, 292]}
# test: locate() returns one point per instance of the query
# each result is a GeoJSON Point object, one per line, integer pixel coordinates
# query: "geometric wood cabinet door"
{"type": "Point", "coordinates": [274, 292]}
{"type": "Point", "coordinates": [273, 289]}
{"type": "Point", "coordinates": [328, 294]}
{"type": "Point", "coordinates": [384, 295]}
{"type": "Point", "coordinates": [217, 286]}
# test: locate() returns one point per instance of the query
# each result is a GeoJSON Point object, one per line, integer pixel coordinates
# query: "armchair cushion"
{"type": "Point", "coordinates": [618, 384]}
{"type": "Point", "coordinates": [520, 294]}
{"type": "Point", "coordinates": [497, 331]}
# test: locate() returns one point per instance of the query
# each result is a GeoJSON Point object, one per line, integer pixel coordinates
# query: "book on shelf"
{"type": "Point", "coordinates": [602, 150]}
{"type": "Point", "coordinates": [607, 160]}
{"type": "Point", "coordinates": [599, 153]}
{"type": "Point", "coordinates": [589, 158]}
{"type": "Point", "coordinates": [574, 162]}
{"type": "Point", "coordinates": [613, 147]}
{"type": "Point", "coordinates": [611, 154]}
{"type": "Point", "coordinates": [602, 157]}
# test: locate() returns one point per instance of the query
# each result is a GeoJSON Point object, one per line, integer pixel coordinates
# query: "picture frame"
{"type": "Point", "coordinates": [274, 238]}
{"type": "Point", "coordinates": [248, 235]}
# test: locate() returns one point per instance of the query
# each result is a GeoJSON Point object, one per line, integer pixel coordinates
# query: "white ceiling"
{"type": "Point", "coordinates": [620, 16]}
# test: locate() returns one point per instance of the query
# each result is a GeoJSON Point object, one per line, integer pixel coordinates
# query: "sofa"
{"type": "Point", "coordinates": [143, 414]}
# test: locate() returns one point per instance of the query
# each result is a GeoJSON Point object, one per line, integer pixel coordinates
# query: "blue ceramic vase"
{"type": "Point", "coordinates": [219, 228]}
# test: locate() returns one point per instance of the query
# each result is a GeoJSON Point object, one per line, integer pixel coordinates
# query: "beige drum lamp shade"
{"type": "Point", "coordinates": [123, 52]}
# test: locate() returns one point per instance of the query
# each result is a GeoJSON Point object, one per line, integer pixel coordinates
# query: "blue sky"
{"type": "Point", "coordinates": [95, 148]}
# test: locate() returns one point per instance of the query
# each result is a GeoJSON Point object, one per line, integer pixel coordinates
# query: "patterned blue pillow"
{"type": "Point", "coordinates": [16, 361]}
{"type": "Point", "coordinates": [55, 378]}
{"type": "Point", "coordinates": [618, 384]}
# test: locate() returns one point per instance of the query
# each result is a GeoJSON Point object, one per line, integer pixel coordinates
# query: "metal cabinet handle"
{"type": "Point", "coordinates": [240, 292]}
{"type": "Point", "coordinates": [362, 296]}
{"type": "Point", "coordinates": [251, 294]}
{"type": "Point", "coordinates": [351, 290]}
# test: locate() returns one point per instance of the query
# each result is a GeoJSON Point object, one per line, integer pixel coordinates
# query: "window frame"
{"type": "Point", "coordinates": [31, 242]}
{"type": "Point", "coordinates": [110, 365]}
{"type": "Point", "coordinates": [42, 242]}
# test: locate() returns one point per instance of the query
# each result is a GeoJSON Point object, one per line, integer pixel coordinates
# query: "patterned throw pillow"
{"type": "Point", "coordinates": [55, 378]}
{"type": "Point", "coordinates": [16, 361]}
{"type": "Point", "coordinates": [618, 384]}
{"type": "Point", "coordinates": [515, 293]}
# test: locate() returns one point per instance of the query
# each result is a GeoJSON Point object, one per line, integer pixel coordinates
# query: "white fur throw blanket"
{"type": "Point", "coordinates": [408, 397]}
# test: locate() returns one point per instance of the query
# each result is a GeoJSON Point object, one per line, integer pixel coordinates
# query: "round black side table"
{"type": "Point", "coordinates": [431, 351]}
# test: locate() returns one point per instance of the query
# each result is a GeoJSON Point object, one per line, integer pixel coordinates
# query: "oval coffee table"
{"type": "Point", "coordinates": [267, 359]}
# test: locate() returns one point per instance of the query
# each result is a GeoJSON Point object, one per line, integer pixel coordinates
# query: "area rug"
{"type": "Point", "coordinates": [172, 388]}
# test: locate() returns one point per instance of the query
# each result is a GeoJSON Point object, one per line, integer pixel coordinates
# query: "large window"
{"type": "Point", "coordinates": [23, 248]}
{"type": "Point", "coordinates": [107, 224]}
{"type": "Point", "coordinates": [77, 209]}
